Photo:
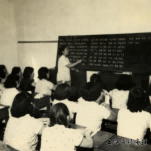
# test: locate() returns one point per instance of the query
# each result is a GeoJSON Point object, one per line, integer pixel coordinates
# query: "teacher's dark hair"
{"type": "Point", "coordinates": [42, 73]}
{"type": "Point", "coordinates": [22, 105]}
{"type": "Point", "coordinates": [62, 91]}
{"type": "Point", "coordinates": [62, 48]}
{"type": "Point", "coordinates": [58, 114]}
{"type": "Point", "coordinates": [27, 72]}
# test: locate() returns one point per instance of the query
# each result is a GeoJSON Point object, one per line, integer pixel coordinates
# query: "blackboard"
{"type": "Point", "coordinates": [111, 52]}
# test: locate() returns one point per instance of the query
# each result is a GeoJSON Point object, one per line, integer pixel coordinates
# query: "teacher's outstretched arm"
{"type": "Point", "coordinates": [71, 65]}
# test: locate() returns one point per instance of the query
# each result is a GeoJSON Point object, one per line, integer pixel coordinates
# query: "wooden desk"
{"type": "Point", "coordinates": [124, 147]}
{"type": "Point", "coordinates": [98, 138]}
{"type": "Point", "coordinates": [42, 102]}
{"type": "Point", "coordinates": [4, 113]}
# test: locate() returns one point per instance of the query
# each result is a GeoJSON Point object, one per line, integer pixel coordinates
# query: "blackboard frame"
{"type": "Point", "coordinates": [142, 39]}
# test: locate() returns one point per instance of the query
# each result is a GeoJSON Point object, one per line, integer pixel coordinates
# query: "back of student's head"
{"type": "Point", "coordinates": [16, 71]}
{"type": "Point", "coordinates": [124, 82]}
{"type": "Point", "coordinates": [12, 81]}
{"type": "Point", "coordinates": [91, 91]}
{"type": "Point", "coordinates": [3, 69]}
{"type": "Point", "coordinates": [27, 72]}
{"type": "Point", "coordinates": [22, 105]}
{"type": "Point", "coordinates": [62, 91]}
{"type": "Point", "coordinates": [136, 100]}
{"type": "Point", "coordinates": [2, 76]}
{"type": "Point", "coordinates": [42, 73]}
{"type": "Point", "coordinates": [74, 94]}
{"type": "Point", "coordinates": [58, 114]}
{"type": "Point", "coordinates": [96, 78]}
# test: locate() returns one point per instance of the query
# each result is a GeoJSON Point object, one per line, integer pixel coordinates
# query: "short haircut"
{"type": "Point", "coordinates": [124, 82]}
{"type": "Point", "coordinates": [74, 94]}
{"type": "Point", "coordinates": [27, 72]}
{"type": "Point", "coordinates": [16, 70]}
{"type": "Point", "coordinates": [22, 105]}
{"type": "Point", "coordinates": [11, 81]}
{"type": "Point", "coordinates": [58, 114]}
{"type": "Point", "coordinates": [2, 68]}
{"type": "Point", "coordinates": [62, 48]}
{"type": "Point", "coordinates": [91, 91]}
{"type": "Point", "coordinates": [96, 78]}
{"type": "Point", "coordinates": [42, 73]}
{"type": "Point", "coordinates": [137, 99]}
{"type": "Point", "coordinates": [62, 91]}
{"type": "Point", "coordinates": [2, 75]}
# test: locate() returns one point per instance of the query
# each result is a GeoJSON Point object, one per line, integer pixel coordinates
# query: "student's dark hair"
{"type": "Point", "coordinates": [22, 105]}
{"type": "Point", "coordinates": [137, 99]}
{"type": "Point", "coordinates": [42, 73]}
{"type": "Point", "coordinates": [58, 114]}
{"type": "Point", "coordinates": [16, 70]}
{"type": "Point", "coordinates": [62, 91]}
{"type": "Point", "coordinates": [11, 81]}
{"type": "Point", "coordinates": [2, 68]}
{"type": "Point", "coordinates": [91, 91]}
{"type": "Point", "coordinates": [62, 48]}
{"type": "Point", "coordinates": [124, 82]}
{"type": "Point", "coordinates": [27, 72]}
{"type": "Point", "coordinates": [2, 75]}
{"type": "Point", "coordinates": [74, 95]}
{"type": "Point", "coordinates": [96, 78]}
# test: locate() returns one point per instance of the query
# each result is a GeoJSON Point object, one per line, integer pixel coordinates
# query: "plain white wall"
{"type": "Point", "coordinates": [47, 19]}
{"type": "Point", "coordinates": [8, 39]}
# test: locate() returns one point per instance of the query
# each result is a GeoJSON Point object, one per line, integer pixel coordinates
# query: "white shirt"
{"type": "Point", "coordinates": [1, 89]}
{"type": "Point", "coordinates": [44, 87]}
{"type": "Point", "coordinates": [60, 138]}
{"type": "Point", "coordinates": [63, 71]}
{"type": "Point", "coordinates": [133, 125]}
{"type": "Point", "coordinates": [8, 96]}
{"type": "Point", "coordinates": [21, 133]}
{"type": "Point", "coordinates": [119, 98]}
{"type": "Point", "coordinates": [72, 106]}
{"type": "Point", "coordinates": [90, 115]}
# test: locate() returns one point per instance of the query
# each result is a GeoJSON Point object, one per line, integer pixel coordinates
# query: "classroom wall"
{"type": "Point", "coordinates": [8, 39]}
{"type": "Point", "coordinates": [47, 19]}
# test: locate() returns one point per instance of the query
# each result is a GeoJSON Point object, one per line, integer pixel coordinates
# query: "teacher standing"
{"type": "Point", "coordinates": [64, 66]}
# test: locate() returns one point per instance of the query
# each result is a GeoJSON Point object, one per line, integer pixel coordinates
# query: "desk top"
{"type": "Point", "coordinates": [3, 106]}
{"type": "Point", "coordinates": [98, 138]}
{"type": "Point", "coordinates": [124, 146]}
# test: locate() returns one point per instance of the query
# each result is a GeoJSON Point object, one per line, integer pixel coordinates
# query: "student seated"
{"type": "Point", "coordinates": [60, 138]}
{"type": "Point", "coordinates": [22, 129]}
{"type": "Point", "coordinates": [17, 71]}
{"type": "Point", "coordinates": [10, 91]}
{"type": "Point", "coordinates": [27, 83]}
{"type": "Point", "coordinates": [96, 78]}
{"type": "Point", "coordinates": [89, 113]}
{"type": "Point", "coordinates": [62, 94]}
{"type": "Point", "coordinates": [43, 86]}
{"type": "Point", "coordinates": [120, 94]}
{"type": "Point", "coordinates": [4, 69]}
{"type": "Point", "coordinates": [134, 121]}
{"type": "Point", "coordinates": [2, 81]}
